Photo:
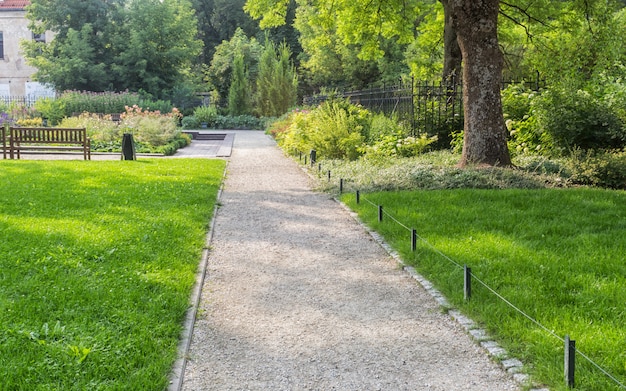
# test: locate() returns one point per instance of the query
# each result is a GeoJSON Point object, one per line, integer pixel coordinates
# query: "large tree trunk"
{"type": "Point", "coordinates": [452, 57]}
{"type": "Point", "coordinates": [476, 23]}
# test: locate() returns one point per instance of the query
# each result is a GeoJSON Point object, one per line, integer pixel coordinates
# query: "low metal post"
{"type": "Point", "coordinates": [340, 185]}
{"type": "Point", "coordinates": [380, 213]}
{"type": "Point", "coordinates": [467, 282]}
{"type": "Point", "coordinates": [413, 240]}
{"type": "Point", "coordinates": [358, 197]}
{"type": "Point", "coordinates": [313, 156]}
{"type": "Point", "coordinates": [570, 361]}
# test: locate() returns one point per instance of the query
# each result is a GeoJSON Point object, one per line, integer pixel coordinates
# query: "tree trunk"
{"type": "Point", "coordinates": [476, 23]}
{"type": "Point", "coordinates": [452, 58]}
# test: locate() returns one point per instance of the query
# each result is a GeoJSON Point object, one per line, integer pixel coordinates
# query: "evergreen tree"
{"type": "Point", "coordinates": [239, 91]}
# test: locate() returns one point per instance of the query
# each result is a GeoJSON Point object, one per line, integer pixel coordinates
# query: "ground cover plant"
{"type": "Point", "coordinates": [97, 261]}
{"type": "Point", "coordinates": [557, 254]}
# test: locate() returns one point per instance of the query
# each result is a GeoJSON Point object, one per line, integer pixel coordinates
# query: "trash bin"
{"type": "Point", "coordinates": [128, 147]}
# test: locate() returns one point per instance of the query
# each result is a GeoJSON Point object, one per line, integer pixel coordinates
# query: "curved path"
{"type": "Point", "coordinates": [298, 296]}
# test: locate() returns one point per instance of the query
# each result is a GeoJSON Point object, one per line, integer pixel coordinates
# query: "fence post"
{"type": "Point", "coordinates": [413, 240]}
{"type": "Point", "coordinates": [340, 185]}
{"type": "Point", "coordinates": [328, 175]}
{"type": "Point", "coordinates": [380, 213]}
{"type": "Point", "coordinates": [358, 197]}
{"type": "Point", "coordinates": [570, 361]}
{"type": "Point", "coordinates": [467, 282]}
{"type": "Point", "coordinates": [313, 156]}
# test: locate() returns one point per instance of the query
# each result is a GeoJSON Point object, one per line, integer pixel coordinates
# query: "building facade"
{"type": "Point", "coordinates": [15, 73]}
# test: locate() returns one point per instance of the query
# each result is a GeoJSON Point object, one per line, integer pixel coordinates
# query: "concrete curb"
{"type": "Point", "coordinates": [178, 370]}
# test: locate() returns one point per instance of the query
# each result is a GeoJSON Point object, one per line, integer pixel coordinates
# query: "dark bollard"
{"type": "Point", "coordinates": [128, 147]}
{"type": "Point", "coordinates": [570, 361]}
{"type": "Point", "coordinates": [313, 156]}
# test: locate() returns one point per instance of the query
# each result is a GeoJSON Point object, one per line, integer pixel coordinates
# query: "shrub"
{"type": "Point", "coordinates": [206, 114]}
{"type": "Point", "coordinates": [101, 129]}
{"type": "Point", "coordinates": [151, 127]}
{"type": "Point", "coordinates": [579, 120]}
{"type": "Point", "coordinates": [190, 122]}
{"type": "Point", "coordinates": [51, 109]}
{"type": "Point", "coordinates": [109, 102]}
{"type": "Point", "coordinates": [602, 169]}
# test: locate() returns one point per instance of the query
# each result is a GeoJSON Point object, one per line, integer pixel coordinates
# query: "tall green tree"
{"type": "Point", "coordinates": [162, 45]}
{"type": "Point", "coordinates": [239, 91]}
{"type": "Point", "coordinates": [113, 44]}
{"type": "Point", "coordinates": [277, 82]}
{"type": "Point", "coordinates": [475, 22]}
{"type": "Point", "coordinates": [219, 74]}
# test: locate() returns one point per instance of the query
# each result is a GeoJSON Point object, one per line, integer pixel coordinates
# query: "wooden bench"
{"type": "Point", "coordinates": [45, 140]}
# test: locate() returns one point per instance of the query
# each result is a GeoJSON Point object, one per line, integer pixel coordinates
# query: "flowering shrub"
{"type": "Point", "coordinates": [5, 119]}
{"type": "Point", "coordinates": [151, 127]}
{"type": "Point", "coordinates": [101, 129]}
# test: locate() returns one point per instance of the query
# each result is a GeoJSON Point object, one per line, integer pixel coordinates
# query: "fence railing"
{"type": "Point", "coordinates": [25, 100]}
{"type": "Point", "coordinates": [427, 107]}
{"type": "Point", "coordinates": [569, 347]}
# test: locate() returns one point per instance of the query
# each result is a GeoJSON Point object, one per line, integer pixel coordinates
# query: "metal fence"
{"type": "Point", "coordinates": [426, 107]}
{"type": "Point", "coordinates": [26, 100]}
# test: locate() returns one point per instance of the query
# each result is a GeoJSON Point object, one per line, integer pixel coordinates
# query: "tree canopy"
{"type": "Point", "coordinates": [101, 45]}
{"type": "Point", "coordinates": [435, 37]}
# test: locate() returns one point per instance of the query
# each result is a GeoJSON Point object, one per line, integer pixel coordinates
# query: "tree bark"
{"type": "Point", "coordinates": [485, 135]}
{"type": "Point", "coordinates": [452, 57]}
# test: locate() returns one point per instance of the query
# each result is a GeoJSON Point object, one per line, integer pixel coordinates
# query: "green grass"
{"type": "Point", "coordinates": [97, 261]}
{"type": "Point", "coordinates": [557, 254]}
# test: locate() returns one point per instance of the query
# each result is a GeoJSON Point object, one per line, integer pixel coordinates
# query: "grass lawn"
{"type": "Point", "coordinates": [97, 261]}
{"type": "Point", "coordinates": [557, 254]}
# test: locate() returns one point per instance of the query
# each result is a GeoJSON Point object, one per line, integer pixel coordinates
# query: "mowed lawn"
{"type": "Point", "coordinates": [97, 262]}
{"type": "Point", "coordinates": [558, 255]}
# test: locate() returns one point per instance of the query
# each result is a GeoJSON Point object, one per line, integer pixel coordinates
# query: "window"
{"type": "Point", "coordinates": [1, 46]}
{"type": "Point", "coordinates": [39, 37]}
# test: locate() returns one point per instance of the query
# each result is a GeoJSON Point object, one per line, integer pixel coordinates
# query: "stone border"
{"type": "Point", "coordinates": [178, 370]}
{"type": "Point", "coordinates": [512, 366]}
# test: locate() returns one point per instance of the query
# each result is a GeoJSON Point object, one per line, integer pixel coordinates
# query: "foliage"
{"type": "Point", "coordinates": [100, 128]}
{"type": "Point", "coordinates": [76, 102]}
{"type": "Point", "coordinates": [190, 122]}
{"type": "Point", "coordinates": [556, 255]}
{"type": "Point", "coordinates": [277, 82]}
{"type": "Point", "coordinates": [206, 114]}
{"type": "Point", "coordinates": [51, 109]}
{"type": "Point", "coordinates": [98, 263]}
{"type": "Point", "coordinates": [600, 169]}
{"type": "Point", "coordinates": [576, 119]}
{"type": "Point", "coordinates": [150, 127]}
{"type": "Point", "coordinates": [219, 74]}
{"type": "Point", "coordinates": [339, 130]}
{"type": "Point", "coordinates": [152, 130]}
{"type": "Point", "coordinates": [102, 45]}
{"type": "Point", "coordinates": [239, 122]}
{"type": "Point", "coordinates": [239, 90]}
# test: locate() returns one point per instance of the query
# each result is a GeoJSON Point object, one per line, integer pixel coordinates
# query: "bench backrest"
{"type": "Point", "coordinates": [49, 135]}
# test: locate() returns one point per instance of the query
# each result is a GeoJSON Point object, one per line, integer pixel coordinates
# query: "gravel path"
{"type": "Point", "coordinates": [298, 296]}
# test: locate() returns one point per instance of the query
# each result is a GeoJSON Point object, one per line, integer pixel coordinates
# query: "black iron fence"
{"type": "Point", "coordinates": [426, 107]}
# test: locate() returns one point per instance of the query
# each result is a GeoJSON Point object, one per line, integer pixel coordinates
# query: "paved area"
{"type": "Point", "coordinates": [298, 296]}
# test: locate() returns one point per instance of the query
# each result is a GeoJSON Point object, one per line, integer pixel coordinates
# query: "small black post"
{"type": "Point", "coordinates": [380, 213]}
{"type": "Point", "coordinates": [300, 153]}
{"type": "Point", "coordinates": [467, 282]}
{"type": "Point", "coordinates": [305, 160]}
{"type": "Point", "coordinates": [413, 240]}
{"type": "Point", "coordinates": [358, 196]}
{"type": "Point", "coordinates": [319, 167]}
{"type": "Point", "coordinates": [313, 156]}
{"type": "Point", "coordinates": [570, 361]}
{"type": "Point", "coordinates": [128, 147]}
{"type": "Point", "coordinates": [340, 185]}
{"type": "Point", "coordinates": [328, 175]}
